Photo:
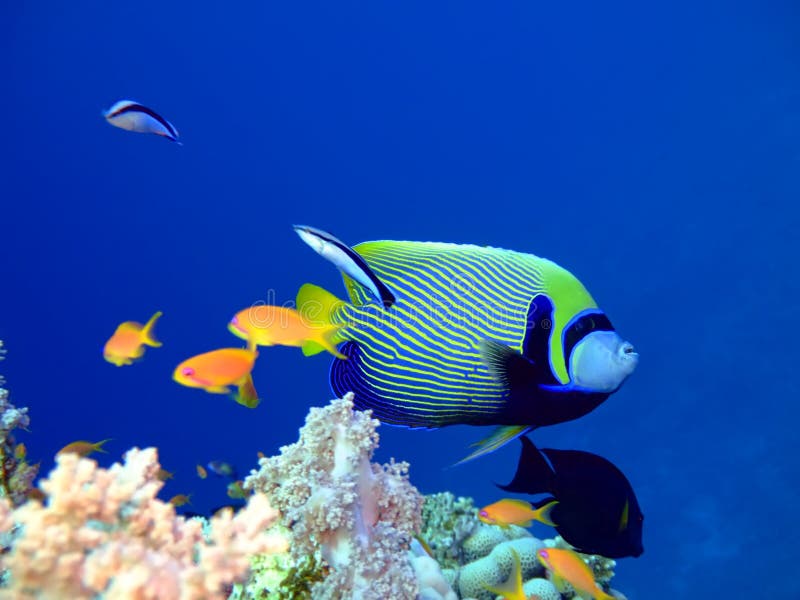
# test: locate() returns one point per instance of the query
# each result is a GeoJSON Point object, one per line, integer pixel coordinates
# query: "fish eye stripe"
{"type": "Point", "coordinates": [583, 325]}
{"type": "Point", "coordinates": [143, 109]}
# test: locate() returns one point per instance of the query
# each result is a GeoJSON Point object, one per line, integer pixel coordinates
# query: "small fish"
{"type": "Point", "coordinates": [265, 325]}
{"type": "Point", "coordinates": [596, 510]}
{"type": "Point", "coordinates": [261, 455]}
{"type": "Point", "coordinates": [476, 336]}
{"type": "Point", "coordinates": [83, 448]}
{"type": "Point", "coordinates": [128, 342]}
{"type": "Point", "coordinates": [222, 469]}
{"type": "Point", "coordinates": [511, 588]}
{"type": "Point", "coordinates": [132, 116]}
{"type": "Point", "coordinates": [508, 511]}
{"type": "Point", "coordinates": [20, 451]}
{"type": "Point", "coordinates": [36, 494]}
{"type": "Point", "coordinates": [567, 567]}
{"type": "Point", "coordinates": [217, 370]}
{"type": "Point", "coordinates": [201, 471]}
{"type": "Point", "coordinates": [180, 500]}
{"type": "Point", "coordinates": [236, 491]}
{"type": "Point", "coordinates": [347, 260]}
{"type": "Point", "coordinates": [164, 475]}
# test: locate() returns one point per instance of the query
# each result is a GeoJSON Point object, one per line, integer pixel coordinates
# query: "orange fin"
{"type": "Point", "coordinates": [148, 333]}
{"type": "Point", "coordinates": [543, 513]}
{"type": "Point", "coordinates": [246, 394]}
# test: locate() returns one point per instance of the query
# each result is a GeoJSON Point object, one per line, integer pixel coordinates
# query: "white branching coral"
{"type": "Point", "coordinates": [357, 516]}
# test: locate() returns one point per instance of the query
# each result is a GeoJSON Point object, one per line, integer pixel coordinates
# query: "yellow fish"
{"type": "Point", "coordinates": [128, 342]}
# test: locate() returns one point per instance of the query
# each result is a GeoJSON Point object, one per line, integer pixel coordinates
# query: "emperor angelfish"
{"type": "Point", "coordinates": [132, 116]}
{"type": "Point", "coordinates": [476, 335]}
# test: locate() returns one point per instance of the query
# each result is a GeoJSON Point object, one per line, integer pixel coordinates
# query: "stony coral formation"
{"type": "Point", "coordinates": [483, 556]}
{"type": "Point", "coordinates": [356, 517]}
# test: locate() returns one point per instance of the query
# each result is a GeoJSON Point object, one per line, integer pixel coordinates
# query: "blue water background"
{"type": "Point", "coordinates": [652, 150]}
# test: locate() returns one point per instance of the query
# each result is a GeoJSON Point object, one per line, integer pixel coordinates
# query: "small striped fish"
{"type": "Point", "coordinates": [475, 335]}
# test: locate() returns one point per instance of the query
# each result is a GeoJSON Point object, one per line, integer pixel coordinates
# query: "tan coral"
{"type": "Point", "coordinates": [357, 516]}
{"type": "Point", "coordinates": [104, 532]}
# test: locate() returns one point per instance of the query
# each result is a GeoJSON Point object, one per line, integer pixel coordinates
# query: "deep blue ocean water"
{"type": "Point", "coordinates": [652, 150]}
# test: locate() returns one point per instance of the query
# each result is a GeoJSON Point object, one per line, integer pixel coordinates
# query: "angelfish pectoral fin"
{"type": "Point", "coordinates": [499, 437]}
{"type": "Point", "coordinates": [507, 366]}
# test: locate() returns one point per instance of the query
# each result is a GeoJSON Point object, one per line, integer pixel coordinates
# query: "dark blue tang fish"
{"type": "Point", "coordinates": [597, 511]}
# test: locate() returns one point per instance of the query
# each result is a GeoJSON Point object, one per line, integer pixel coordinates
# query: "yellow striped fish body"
{"type": "Point", "coordinates": [421, 362]}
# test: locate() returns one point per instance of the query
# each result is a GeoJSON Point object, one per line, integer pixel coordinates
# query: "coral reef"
{"type": "Point", "coordinates": [477, 554]}
{"type": "Point", "coordinates": [103, 533]}
{"type": "Point", "coordinates": [446, 522]}
{"type": "Point", "coordinates": [356, 518]}
{"type": "Point", "coordinates": [432, 585]}
{"type": "Point", "coordinates": [16, 474]}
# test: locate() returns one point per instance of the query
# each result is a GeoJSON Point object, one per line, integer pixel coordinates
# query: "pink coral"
{"type": "Point", "coordinates": [358, 516]}
{"type": "Point", "coordinates": [103, 531]}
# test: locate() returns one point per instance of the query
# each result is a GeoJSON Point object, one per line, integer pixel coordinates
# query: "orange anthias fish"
{"type": "Point", "coordinates": [83, 448]}
{"type": "Point", "coordinates": [201, 471]}
{"type": "Point", "coordinates": [128, 342]}
{"type": "Point", "coordinates": [280, 326]}
{"type": "Point", "coordinates": [567, 566]}
{"type": "Point", "coordinates": [507, 512]}
{"type": "Point", "coordinates": [217, 370]}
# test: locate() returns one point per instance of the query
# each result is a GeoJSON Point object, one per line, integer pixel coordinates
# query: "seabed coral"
{"type": "Point", "coordinates": [351, 529]}
{"type": "Point", "coordinates": [354, 517]}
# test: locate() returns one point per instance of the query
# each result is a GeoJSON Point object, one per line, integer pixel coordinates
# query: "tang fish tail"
{"type": "Point", "coordinates": [499, 437]}
{"type": "Point", "coordinates": [534, 474]}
